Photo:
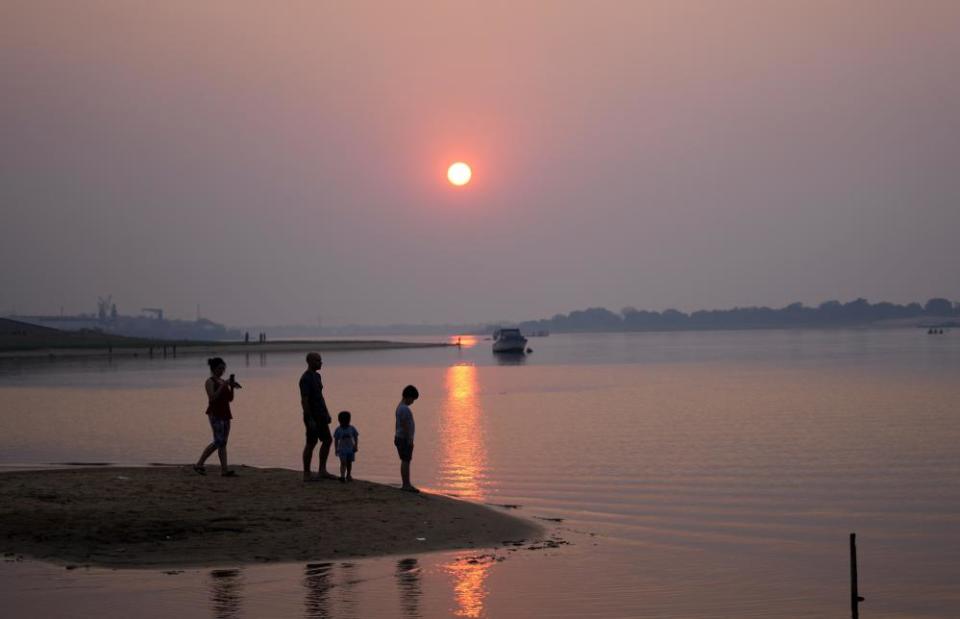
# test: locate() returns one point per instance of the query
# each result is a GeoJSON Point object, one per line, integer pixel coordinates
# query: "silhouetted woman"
{"type": "Point", "coordinates": [219, 396]}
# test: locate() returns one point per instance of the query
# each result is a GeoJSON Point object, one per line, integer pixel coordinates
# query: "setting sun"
{"type": "Point", "coordinates": [459, 174]}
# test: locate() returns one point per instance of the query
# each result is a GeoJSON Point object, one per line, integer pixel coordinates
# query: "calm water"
{"type": "Point", "coordinates": [697, 474]}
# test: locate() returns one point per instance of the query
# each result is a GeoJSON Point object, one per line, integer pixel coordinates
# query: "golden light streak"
{"type": "Point", "coordinates": [463, 458]}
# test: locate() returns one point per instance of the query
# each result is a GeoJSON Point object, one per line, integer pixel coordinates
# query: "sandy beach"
{"type": "Point", "coordinates": [170, 516]}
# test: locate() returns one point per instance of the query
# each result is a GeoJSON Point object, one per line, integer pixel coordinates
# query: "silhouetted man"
{"type": "Point", "coordinates": [316, 417]}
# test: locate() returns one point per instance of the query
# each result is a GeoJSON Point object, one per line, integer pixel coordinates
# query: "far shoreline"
{"type": "Point", "coordinates": [167, 350]}
{"type": "Point", "coordinates": [168, 516]}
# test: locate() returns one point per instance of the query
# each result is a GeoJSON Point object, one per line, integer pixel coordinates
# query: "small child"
{"type": "Point", "coordinates": [347, 443]}
{"type": "Point", "coordinates": [403, 438]}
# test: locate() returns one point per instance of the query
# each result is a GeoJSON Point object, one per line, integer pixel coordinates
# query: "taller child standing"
{"type": "Point", "coordinates": [316, 417]}
{"type": "Point", "coordinates": [403, 437]}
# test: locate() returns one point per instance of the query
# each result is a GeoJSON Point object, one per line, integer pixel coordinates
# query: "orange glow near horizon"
{"type": "Point", "coordinates": [459, 174]}
{"type": "Point", "coordinates": [465, 341]}
{"type": "Point", "coordinates": [464, 455]}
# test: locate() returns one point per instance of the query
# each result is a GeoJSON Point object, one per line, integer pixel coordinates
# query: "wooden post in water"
{"type": "Point", "coordinates": [855, 598]}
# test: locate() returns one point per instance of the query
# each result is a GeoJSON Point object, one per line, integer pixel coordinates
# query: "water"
{"type": "Point", "coordinates": [697, 474]}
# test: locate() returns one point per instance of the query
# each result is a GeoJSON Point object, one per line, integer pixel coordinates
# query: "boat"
{"type": "Point", "coordinates": [509, 341]}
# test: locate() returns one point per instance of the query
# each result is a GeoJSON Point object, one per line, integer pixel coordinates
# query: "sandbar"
{"type": "Point", "coordinates": [170, 516]}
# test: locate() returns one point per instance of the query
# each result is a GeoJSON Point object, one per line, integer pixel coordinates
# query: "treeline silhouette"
{"type": "Point", "coordinates": [827, 314]}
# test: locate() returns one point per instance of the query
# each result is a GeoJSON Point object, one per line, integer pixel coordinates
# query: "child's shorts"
{"type": "Point", "coordinates": [346, 456]}
{"type": "Point", "coordinates": [404, 448]}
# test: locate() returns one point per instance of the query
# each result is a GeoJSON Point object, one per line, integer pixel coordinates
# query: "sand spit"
{"type": "Point", "coordinates": [170, 516]}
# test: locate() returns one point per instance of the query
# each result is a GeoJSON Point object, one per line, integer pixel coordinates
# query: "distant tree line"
{"type": "Point", "coordinates": [827, 314]}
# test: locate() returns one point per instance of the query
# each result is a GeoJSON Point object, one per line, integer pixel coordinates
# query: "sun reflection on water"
{"type": "Point", "coordinates": [469, 590]}
{"type": "Point", "coordinates": [463, 459]}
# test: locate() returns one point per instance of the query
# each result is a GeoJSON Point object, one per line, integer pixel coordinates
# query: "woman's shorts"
{"type": "Point", "coordinates": [404, 448]}
{"type": "Point", "coordinates": [221, 430]}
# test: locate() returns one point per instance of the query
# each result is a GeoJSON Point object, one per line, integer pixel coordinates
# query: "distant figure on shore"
{"type": "Point", "coordinates": [219, 396]}
{"type": "Point", "coordinates": [346, 444]}
{"type": "Point", "coordinates": [316, 418]}
{"type": "Point", "coordinates": [403, 437]}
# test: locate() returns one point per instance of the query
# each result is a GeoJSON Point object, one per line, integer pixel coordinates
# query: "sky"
{"type": "Point", "coordinates": [284, 163]}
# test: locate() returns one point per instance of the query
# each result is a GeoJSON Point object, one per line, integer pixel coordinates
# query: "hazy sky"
{"type": "Point", "coordinates": [276, 161]}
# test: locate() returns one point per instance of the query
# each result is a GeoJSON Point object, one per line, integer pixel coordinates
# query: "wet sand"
{"type": "Point", "coordinates": [170, 516]}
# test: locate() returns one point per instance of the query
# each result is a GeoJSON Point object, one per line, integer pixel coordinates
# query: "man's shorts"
{"type": "Point", "coordinates": [404, 448]}
{"type": "Point", "coordinates": [221, 430]}
{"type": "Point", "coordinates": [318, 429]}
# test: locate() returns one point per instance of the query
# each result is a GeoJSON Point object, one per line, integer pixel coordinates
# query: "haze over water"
{"type": "Point", "coordinates": [697, 474]}
{"type": "Point", "coordinates": [280, 164]}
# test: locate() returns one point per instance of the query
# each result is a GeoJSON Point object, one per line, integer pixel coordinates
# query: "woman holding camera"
{"type": "Point", "coordinates": [219, 396]}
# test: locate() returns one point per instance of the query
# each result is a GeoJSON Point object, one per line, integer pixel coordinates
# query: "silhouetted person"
{"type": "Point", "coordinates": [219, 396]}
{"type": "Point", "coordinates": [346, 444]}
{"type": "Point", "coordinates": [316, 417]}
{"type": "Point", "coordinates": [403, 437]}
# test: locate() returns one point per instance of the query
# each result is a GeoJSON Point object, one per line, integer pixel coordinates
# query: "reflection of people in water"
{"type": "Point", "coordinates": [225, 586]}
{"type": "Point", "coordinates": [346, 598]}
{"type": "Point", "coordinates": [316, 580]}
{"type": "Point", "coordinates": [408, 581]}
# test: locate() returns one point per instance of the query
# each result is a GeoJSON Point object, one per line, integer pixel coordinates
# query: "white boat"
{"type": "Point", "coordinates": [509, 340]}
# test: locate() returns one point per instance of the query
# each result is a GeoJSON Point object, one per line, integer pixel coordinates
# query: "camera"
{"type": "Point", "coordinates": [233, 382]}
